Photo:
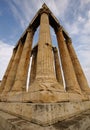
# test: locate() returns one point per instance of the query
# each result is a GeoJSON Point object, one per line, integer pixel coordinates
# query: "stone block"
{"type": "Point", "coordinates": [45, 114]}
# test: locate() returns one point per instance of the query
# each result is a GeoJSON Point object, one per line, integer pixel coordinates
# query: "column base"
{"type": "Point", "coordinates": [45, 84]}
{"type": "Point", "coordinates": [44, 97]}
{"type": "Point", "coordinates": [45, 92]}
{"type": "Point", "coordinates": [36, 97]}
{"type": "Point", "coordinates": [75, 97]}
{"type": "Point", "coordinates": [87, 92]}
{"type": "Point", "coordinates": [3, 96]}
{"type": "Point", "coordinates": [89, 97]}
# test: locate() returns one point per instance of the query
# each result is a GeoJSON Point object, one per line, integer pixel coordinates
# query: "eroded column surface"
{"type": "Point", "coordinates": [13, 70]}
{"type": "Point", "coordinates": [7, 72]}
{"type": "Point", "coordinates": [78, 69]}
{"type": "Point", "coordinates": [45, 74]}
{"type": "Point", "coordinates": [57, 66]}
{"type": "Point", "coordinates": [45, 59]}
{"type": "Point", "coordinates": [33, 66]}
{"type": "Point", "coordinates": [72, 85]}
{"type": "Point", "coordinates": [22, 70]}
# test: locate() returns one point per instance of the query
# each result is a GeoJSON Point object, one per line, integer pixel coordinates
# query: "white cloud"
{"type": "Point", "coordinates": [84, 2]}
{"type": "Point", "coordinates": [17, 14]}
{"type": "Point", "coordinates": [80, 26]}
{"type": "Point", "coordinates": [57, 6]}
{"type": "Point", "coordinates": [72, 28]}
{"type": "Point", "coordinates": [62, 7]}
{"type": "Point", "coordinates": [86, 29]}
{"type": "Point", "coordinates": [89, 13]}
{"type": "Point", "coordinates": [5, 54]}
{"type": "Point", "coordinates": [81, 19]}
{"type": "Point", "coordinates": [24, 11]}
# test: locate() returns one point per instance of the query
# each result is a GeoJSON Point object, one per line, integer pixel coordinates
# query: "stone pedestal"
{"type": "Point", "coordinates": [45, 114]}
{"type": "Point", "coordinates": [12, 122]}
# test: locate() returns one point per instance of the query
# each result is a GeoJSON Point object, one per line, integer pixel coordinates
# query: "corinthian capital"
{"type": "Point", "coordinates": [69, 40]}
{"type": "Point", "coordinates": [60, 28]}
{"type": "Point", "coordinates": [44, 10]}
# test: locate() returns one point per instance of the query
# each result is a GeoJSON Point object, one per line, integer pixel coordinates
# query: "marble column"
{"type": "Point", "coordinates": [77, 67]}
{"type": "Point", "coordinates": [45, 74]}
{"type": "Point", "coordinates": [57, 66]}
{"type": "Point", "coordinates": [33, 66]}
{"type": "Point", "coordinates": [13, 70]}
{"type": "Point", "coordinates": [22, 70]}
{"type": "Point", "coordinates": [7, 71]}
{"type": "Point", "coordinates": [72, 85]}
{"type": "Point", "coordinates": [45, 59]}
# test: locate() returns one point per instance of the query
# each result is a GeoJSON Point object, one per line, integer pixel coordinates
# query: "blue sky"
{"type": "Point", "coordinates": [74, 15]}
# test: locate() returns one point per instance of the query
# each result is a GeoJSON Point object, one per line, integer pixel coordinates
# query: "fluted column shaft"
{"type": "Point", "coordinates": [22, 70]}
{"type": "Point", "coordinates": [57, 66]}
{"type": "Point", "coordinates": [69, 74]}
{"type": "Point", "coordinates": [33, 67]}
{"type": "Point", "coordinates": [45, 59]}
{"type": "Point", "coordinates": [77, 67]}
{"type": "Point", "coordinates": [13, 70]}
{"type": "Point", "coordinates": [7, 72]}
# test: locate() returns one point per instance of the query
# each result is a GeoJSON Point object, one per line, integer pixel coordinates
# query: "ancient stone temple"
{"type": "Point", "coordinates": [58, 97]}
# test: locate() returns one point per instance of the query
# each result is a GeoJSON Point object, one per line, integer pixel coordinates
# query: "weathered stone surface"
{"type": "Point", "coordinates": [78, 69]}
{"type": "Point", "coordinates": [45, 80]}
{"type": "Point", "coordinates": [45, 114]}
{"type": "Point", "coordinates": [13, 70]}
{"type": "Point", "coordinates": [45, 59]}
{"type": "Point", "coordinates": [7, 72]}
{"type": "Point", "coordinates": [21, 75]}
{"type": "Point", "coordinates": [34, 65]}
{"type": "Point", "coordinates": [57, 66]}
{"type": "Point", "coordinates": [45, 96]}
{"type": "Point", "coordinates": [12, 122]}
{"type": "Point", "coordinates": [46, 105]}
{"type": "Point", "coordinates": [78, 122]}
{"type": "Point", "coordinates": [77, 97]}
{"type": "Point", "coordinates": [69, 74]}
{"type": "Point", "coordinates": [0, 82]}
